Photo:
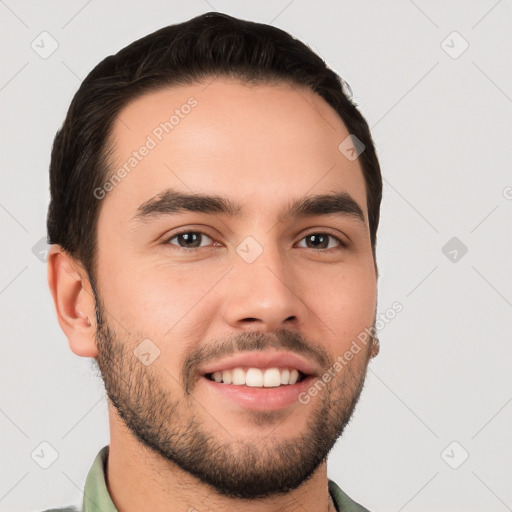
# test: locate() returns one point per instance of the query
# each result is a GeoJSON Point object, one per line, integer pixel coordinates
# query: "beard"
{"type": "Point", "coordinates": [249, 468]}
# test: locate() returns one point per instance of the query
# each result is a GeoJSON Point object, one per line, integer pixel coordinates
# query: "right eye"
{"type": "Point", "coordinates": [188, 240]}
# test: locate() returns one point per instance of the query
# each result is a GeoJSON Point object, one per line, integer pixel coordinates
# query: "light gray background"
{"type": "Point", "coordinates": [442, 128]}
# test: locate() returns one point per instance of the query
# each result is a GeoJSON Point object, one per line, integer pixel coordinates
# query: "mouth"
{"type": "Point", "coordinates": [258, 377]}
{"type": "Point", "coordinates": [259, 380]}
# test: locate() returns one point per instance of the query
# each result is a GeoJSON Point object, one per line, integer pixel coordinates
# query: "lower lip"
{"type": "Point", "coordinates": [261, 399]}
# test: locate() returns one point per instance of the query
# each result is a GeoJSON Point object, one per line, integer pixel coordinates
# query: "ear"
{"type": "Point", "coordinates": [375, 347]}
{"type": "Point", "coordinates": [74, 301]}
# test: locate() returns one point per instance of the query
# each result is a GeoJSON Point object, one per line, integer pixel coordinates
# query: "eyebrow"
{"type": "Point", "coordinates": [173, 202]}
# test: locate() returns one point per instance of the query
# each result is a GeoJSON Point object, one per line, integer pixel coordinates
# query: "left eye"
{"type": "Point", "coordinates": [192, 240]}
{"type": "Point", "coordinates": [321, 240]}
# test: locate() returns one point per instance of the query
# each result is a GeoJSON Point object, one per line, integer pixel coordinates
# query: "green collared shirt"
{"type": "Point", "coordinates": [97, 497]}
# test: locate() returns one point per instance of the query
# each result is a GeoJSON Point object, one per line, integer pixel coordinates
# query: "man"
{"type": "Point", "coordinates": [214, 207]}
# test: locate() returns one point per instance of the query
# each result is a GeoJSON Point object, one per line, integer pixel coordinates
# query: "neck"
{"type": "Point", "coordinates": [139, 479]}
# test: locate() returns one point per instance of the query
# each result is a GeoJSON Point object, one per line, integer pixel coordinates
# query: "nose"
{"type": "Point", "coordinates": [263, 295]}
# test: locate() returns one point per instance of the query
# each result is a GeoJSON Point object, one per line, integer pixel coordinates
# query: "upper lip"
{"type": "Point", "coordinates": [262, 359]}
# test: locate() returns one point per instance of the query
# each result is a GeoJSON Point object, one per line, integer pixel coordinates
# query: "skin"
{"type": "Point", "coordinates": [262, 146]}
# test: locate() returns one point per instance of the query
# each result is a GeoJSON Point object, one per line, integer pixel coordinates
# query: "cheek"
{"type": "Point", "coordinates": [346, 303]}
{"type": "Point", "coordinates": [160, 300]}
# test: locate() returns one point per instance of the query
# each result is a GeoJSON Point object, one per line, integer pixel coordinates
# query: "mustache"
{"type": "Point", "coordinates": [246, 342]}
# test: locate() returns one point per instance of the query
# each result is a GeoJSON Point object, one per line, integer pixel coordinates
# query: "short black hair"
{"type": "Point", "coordinates": [207, 46]}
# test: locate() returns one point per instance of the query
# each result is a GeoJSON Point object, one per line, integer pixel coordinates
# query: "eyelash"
{"type": "Point", "coordinates": [342, 244]}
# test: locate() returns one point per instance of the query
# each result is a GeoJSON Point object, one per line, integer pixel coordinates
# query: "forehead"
{"type": "Point", "coordinates": [266, 144]}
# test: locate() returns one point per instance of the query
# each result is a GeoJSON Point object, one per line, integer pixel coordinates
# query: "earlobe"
{"type": "Point", "coordinates": [375, 347]}
{"type": "Point", "coordinates": [74, 301]}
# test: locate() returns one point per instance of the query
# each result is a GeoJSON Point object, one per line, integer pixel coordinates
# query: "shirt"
{"type": "Point", "coordinates": [97, 497]}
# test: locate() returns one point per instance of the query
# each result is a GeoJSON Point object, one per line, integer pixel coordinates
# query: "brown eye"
{"type": "Point", "coordinates": [322, 241]}
{"type": "Point", "coordinates": [188, 239]}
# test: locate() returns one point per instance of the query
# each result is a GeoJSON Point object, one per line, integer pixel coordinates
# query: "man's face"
{"type": "Point", "coordinates": [248, 288]}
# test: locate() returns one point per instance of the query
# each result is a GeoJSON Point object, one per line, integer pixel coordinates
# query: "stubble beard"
{"type": "Point", "coordinates": [171, 424]}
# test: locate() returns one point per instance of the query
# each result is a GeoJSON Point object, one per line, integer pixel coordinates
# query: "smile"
{"type": "Point", "coordinates": [257, 377]}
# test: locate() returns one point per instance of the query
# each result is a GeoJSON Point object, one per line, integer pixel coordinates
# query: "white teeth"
{"type": "Point", "coordinates": [238, 377]}
{"type": "Point", "coordinates": [226, 377]}
{"type": "Point", "coordinates": [272, 378]}
{"type": "Point", "coordinates": [257, 377]}
{"type": "Point", "coordinates": [254, 378]}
